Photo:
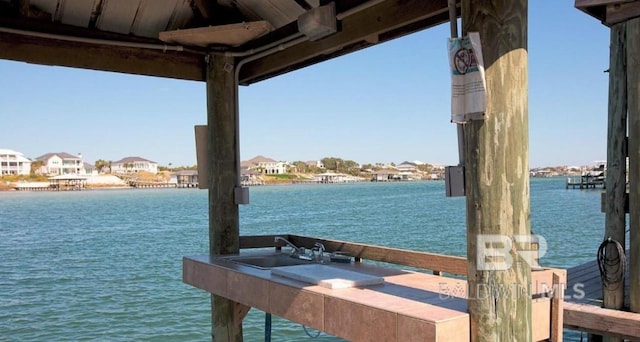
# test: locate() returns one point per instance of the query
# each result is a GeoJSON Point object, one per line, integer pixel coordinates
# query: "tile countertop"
{"type": "Point", "coordinates": [407, 306]}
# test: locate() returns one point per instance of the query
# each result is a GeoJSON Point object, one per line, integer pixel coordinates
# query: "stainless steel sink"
{"type": "Point", "coordinates": [267, 261]}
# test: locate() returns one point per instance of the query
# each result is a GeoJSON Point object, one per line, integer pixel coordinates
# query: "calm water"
{"type": "Point", "coordinates": [106, 264]}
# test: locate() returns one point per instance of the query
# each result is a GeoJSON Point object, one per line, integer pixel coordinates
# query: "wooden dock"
{"type": "Point", "coordinates": [143, 184]}
{"type": "Point", "coordinates": [583, 305]}
{"type": "Point", "coordinates": [585, 182]}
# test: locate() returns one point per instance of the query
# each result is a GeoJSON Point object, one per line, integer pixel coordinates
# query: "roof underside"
{"type": "Point", "coordinates": [169, 38]}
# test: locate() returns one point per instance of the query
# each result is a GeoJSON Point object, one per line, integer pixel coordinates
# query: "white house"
{"type": "Point", "coordinates": [134, 164]}
{"type": "Point", "coordinates": [315, 163]}
{"type": "Point", "coordinates": [14, 163]}
{"type": "Point", "coordinates": [90, 169]}
{"type": "Point", "coordinates": [266, 165]}
{"type": "Point", "coordinates": [277, 168]}
{"type": "Point", "coordinates": [407, 166]}
{"type": "Point", "coordinates": [61, 163]}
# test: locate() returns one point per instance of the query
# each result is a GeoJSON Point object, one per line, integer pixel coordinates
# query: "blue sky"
{"type": "Point", "coordinates": [388, 103]}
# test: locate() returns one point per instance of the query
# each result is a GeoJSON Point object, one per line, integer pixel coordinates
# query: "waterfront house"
{"type": "Point", "coordinates": [89, 169]}
{"type": "Point", "coordinates": [266, 165]}
{"type": "Point", "coordinates": [184, 178]}
{"type": "Point", "coordinates": [133, 165]}
{"type": "Point", "coordinates": [406, 166]}
{"type": "Point", "coordinates": [61, 163]}
{"type": "Point", "coordinates": [14, 163]}
{"type": "Point", "coordinates": [315, 163]}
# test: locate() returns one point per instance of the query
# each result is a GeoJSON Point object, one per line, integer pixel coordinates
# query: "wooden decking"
{"type": "Point", "coordinates": [583, 305]}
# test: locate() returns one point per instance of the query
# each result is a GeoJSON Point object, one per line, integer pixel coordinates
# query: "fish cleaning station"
{"type": "Point", "coordinates": [354, 291]}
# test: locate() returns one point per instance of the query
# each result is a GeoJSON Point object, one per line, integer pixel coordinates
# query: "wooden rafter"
{"type": "Point", "coordinates": [385, 21]}
{"type": "Point", "coordinates": [610, 12]}
{"type": "Point", "coordinates": [358, 28]}
{"type": "Point", "coordinates": [622, 12]}
{"type": "Point", "coordinates": [591, 3]}
{"type": "Point", "coordinates": [171, 64]}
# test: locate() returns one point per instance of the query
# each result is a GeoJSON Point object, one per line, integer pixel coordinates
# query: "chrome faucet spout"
{"type": "Point", "coordinates": [295, 248]}
{"type": "Point", "coordinates": [320, 247]}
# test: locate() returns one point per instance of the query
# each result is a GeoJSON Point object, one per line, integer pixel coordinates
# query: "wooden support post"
{"type": "Point", "coordinates": [557, 307]}
{"type": "Point", "coordinates": [633, 96]}
{"type": "Point", "coordinates": [497, 176]}
{"type": "Point", "coordinates": [224, 220]}
{"type": "Point", "coordinates": [613, 293]}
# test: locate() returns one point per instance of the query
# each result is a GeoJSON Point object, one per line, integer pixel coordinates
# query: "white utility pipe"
{"type": "Point", "coordinates": [289, 43]}
{"type": "Point", "coordinates": [358, 8]}
{"type": "Point", "coordinates": [162, 47]}
{"type": "Point", "coordinates": [262, 48]}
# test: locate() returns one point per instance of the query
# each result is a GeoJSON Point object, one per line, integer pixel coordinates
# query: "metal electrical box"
{"type": "Point", "coordinates": [454, 181]}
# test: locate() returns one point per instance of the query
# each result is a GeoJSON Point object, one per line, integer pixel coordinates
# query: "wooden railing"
{"type": "Point", "coordinates": [429, 261]}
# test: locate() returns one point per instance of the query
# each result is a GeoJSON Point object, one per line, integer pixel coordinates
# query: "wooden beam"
{"type": "Point", "coordinates": [557, 310]}
{"type": "Point", "coordinates": [438, 262]}
{"type": "Point", "coordinates": [496, 174]}
{"type": "Point", "coordinates": [622, 12]}
{"type": "Point", "coordinates": [386, 16]}
{"type": "Point", "coordinates": [172, 64]}
{"type": "Point", "coordinates": [633, 107]}
{"type": "Point", "coordinates": [224, 220]}
{"type": "Point", "coordinates": [592, 3]}
{"type": "Point", "coordinates": [616, 166]}
{"type": "Point", "coordinates": [230, 35]}
{"type": "Point", "coordinates": [593, 319]}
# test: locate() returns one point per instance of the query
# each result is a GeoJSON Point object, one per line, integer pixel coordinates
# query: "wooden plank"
{"type": "Point", "coordinates": [386, 16]}
{"type": "Point", "coordinates": [430, 261]}
{"type": "Point", "coordinates": [257, 241]}
{"type": "Point", "coordinates": [594, 319]}
{"type": "Point", "coordinates": [613, 294]}
{"type": "Point", "coordinates": [172, 64]}
{"type": "Point", "coordinates": [496, 177]}
{"type": "Point", "coordinates": [224, 220]}
{"type": "Point", "coordinates": [590, 3]}
{"type": "Point", "coordinates": [230, 35]}
{"type": "Point", "coordinates": [541, 313]}
{"type": "Point", "coordinates": [622, 12]}
{"type": "Point", "coordinates": [557, 302]}
{"type": "Point", "coordinates": [633, 96]}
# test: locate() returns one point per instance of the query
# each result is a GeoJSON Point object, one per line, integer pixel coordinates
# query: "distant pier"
{"type": "Point", "coordinates": [585, 182]}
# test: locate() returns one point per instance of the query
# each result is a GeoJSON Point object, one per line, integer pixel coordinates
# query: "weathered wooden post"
{"type": "Point", "coordinates": [497, 175]}
{"type": "Point", "coordinates": [224, 220]}
{"type": "Point", "coordinates": [613, 292]}
{"type": "Point", "coordinates": [633, 96]}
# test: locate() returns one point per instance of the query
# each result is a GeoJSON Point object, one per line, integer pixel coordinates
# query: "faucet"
{"type": "Point", "coordinates": [320, 247]}
{"type": "Point", "coordinates": [297, 252]}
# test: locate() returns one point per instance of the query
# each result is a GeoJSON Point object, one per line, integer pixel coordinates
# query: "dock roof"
{"type": "Point", "coordinates": [171, 38]}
